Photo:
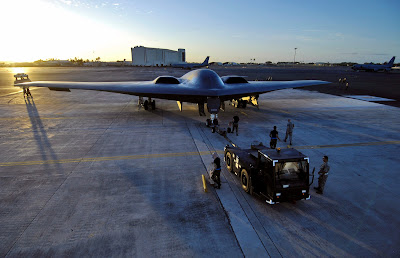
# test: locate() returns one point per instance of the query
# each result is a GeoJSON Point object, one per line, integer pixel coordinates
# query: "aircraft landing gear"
{"type": "Point", "coordinates": [140, 102]}
{"type": "Point", "coordinates": [201, 109]}
{"type": "Point", "coordinates": [148, 103]}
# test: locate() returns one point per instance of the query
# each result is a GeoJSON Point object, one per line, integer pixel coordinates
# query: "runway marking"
{"type": "Point", "coordinates": [178, 154]}
{"type": "Point", "coordinates": [13, 93]}
{"type": "Point", "coordinates": [282, 111]}
{"type": "Point", "coordinates": [347, 145]}
{"type": "Point", "coordinates": [145, 156]}
{"type": "Point", "coordinates": [367, 98]}
{"type": "Point", "coordinates": [54, 118]}
{"type": "Point", "coordinates": [244, 113]}
{"type": "Point", "coordinates": [333, 109]}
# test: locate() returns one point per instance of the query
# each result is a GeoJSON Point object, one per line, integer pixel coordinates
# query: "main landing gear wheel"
{"type": "Point", "coordinates": [153, 105]}
{"type": "Point", "coordinates": [245, 180]}
{"type": "Point", "coordinates": [242, 104]}
{"type": "Point", "coordinates": [229, 162]}
{"type": "Point", "coordinates": [146, 105]}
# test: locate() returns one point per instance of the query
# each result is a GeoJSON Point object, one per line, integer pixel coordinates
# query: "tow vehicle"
{"type": "Point", "coordinates": [21, 77]}
{"type": "Point", "coordinates": [278, 175]}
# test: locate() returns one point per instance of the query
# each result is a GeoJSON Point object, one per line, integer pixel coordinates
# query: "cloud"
{"type": "Point", "coordinates": [313, 30]}
{"type": "Point", "coordinates": [304, 38]}
{"type": "Point", "coordinates": [67, 2]}
{"type": "Point", "coordinates": [339, 35]}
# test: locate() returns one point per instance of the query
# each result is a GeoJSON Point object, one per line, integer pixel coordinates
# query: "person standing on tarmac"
{"type": "Point", "coordinates": [235, 124]}
{"type": "Point", "coordinates": [274, 138]}
{"type": "Point", "coordinates": [289, 131]}
{"type": "Point", "coordinates": [28, 93]}
{"type": "Point", "coordinates": [216, 174]}
{"type": "Point", "coordinates": [24, 92]}
{"type": "Point", "coordinates": [323, 175]}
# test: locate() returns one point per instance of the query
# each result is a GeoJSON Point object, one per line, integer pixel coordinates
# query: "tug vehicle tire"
{"type": "Point", "coordinates": [245, 180]}
{"type": "Point", "coordinates": [229, 161]}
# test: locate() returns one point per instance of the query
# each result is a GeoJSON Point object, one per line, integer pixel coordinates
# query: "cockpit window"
{"type": "Point", "coordinates": [291, 170]}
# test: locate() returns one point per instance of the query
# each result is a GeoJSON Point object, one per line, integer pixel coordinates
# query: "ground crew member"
{"type": "Point", "coordinates": [289, 131]}
{"type": "Point", "coordinates": [216, 173]}
{"type": "Point", "coordinates": [323, 175]}
{"type": "Point", "coordinates": [28, 93]}
{"type": "Point", "coordinates": [235, 124]}
{"type": "Point", "coordinates": [274, 138]}
{"type": "Point", "coordinates": [24, 92]}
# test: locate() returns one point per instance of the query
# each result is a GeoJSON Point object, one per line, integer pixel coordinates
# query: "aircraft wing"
{"type": "Point", "coordinates": [237, 90]}
{"type": "Point", "coordinates": [140, 88]}
{"type": "Point", "coordinates": [183, 91]}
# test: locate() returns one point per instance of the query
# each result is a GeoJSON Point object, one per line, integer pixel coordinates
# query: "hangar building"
{"type": "Point", "coordinates": [145, 56]}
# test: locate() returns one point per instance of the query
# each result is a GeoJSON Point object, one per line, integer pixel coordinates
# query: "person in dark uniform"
{"type": "Point", "coordinates": [28, 93]}
{"type": "Point", "coordinates": [274, 138]}
{"type": "Point", "coordinates": [235, 124]}
{"type": "Point", "coordinates": [323, 175]}
{"type": "Point", "coordinates": [216, 174]}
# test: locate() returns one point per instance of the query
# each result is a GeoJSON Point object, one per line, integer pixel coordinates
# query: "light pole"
{"type": "Point", "coordinates": [294, 59]}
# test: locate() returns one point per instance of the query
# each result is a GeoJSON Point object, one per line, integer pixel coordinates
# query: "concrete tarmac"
{"type": "Point", "coordinates": [89, 174]}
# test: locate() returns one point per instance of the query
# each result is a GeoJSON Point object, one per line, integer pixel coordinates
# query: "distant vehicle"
{"type": "Point", "coordinates": [276, 175]}
{"type": "Point", "coordinates": [192, 65]}
{"type": "Point", "coordinates": [230, 64]}
{"type": "Point", "coordinates": [374, 67]}
{"type": "Point", "coordinates": [21, 77]}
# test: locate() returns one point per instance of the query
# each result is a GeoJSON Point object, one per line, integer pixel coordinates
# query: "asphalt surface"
{"type": "Point", "coordinates": [89, 174]}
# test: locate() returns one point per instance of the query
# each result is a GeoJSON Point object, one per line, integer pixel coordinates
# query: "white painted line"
{"type": "Point", "coordinates": [367, 98]}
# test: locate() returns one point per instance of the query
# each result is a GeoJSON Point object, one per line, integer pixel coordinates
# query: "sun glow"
{"type": "Point", "coordinates": [16, 70]}
{"type": "Point", "coordinates": [36, 29]}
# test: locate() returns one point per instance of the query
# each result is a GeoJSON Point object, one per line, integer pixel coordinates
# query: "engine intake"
{"type": "Point", "coordinates": [233, 79]}
{"type": "Point", "coordinates": [166, 80]}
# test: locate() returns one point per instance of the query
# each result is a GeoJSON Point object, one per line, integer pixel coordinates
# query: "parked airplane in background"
{"type": "Point", "coordinates": [230, 64]}
{"type": "Point", "coordinates": [199, 86]}
{"type": "Point", "coordinates": [374, 67]}
{"type": "Point", "coordinates": [192, 65]}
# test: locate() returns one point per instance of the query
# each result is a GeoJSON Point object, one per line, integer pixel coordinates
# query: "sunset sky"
{"type": "Point", "coordinates": [323, 31]}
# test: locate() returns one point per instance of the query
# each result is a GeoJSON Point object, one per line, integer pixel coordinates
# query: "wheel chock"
{"type": "Point", "coordinates": [204, 183]}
